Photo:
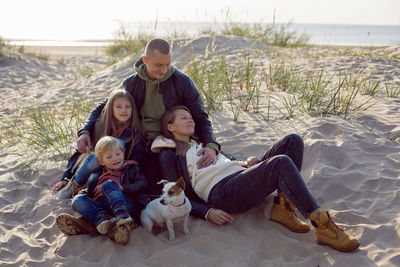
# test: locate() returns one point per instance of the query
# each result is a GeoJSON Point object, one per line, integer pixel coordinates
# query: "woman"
{"type": "Point", "coordinates": [231, 186]}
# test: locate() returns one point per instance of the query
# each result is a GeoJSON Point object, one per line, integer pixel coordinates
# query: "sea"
{"type": "Point", "coordinates": [318, 34]}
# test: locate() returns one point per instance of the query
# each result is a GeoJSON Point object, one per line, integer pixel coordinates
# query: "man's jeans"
{"type": "Point", "coordinates": [92, 209]}
{"type": "Point", "coordinates": [279, 170]}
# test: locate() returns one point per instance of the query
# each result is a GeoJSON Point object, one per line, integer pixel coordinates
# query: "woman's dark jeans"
{"type": "Point", "coordinates": [279, 170]}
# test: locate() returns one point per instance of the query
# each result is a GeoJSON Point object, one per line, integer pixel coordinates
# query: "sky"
{"type": "Point", "coordinates": [89, 19]}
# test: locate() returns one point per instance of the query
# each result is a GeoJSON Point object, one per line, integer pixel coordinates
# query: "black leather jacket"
{"type": "Point", "coordinates": [179, 89]}
{"type": "Point", "coordinates": [172, 167]}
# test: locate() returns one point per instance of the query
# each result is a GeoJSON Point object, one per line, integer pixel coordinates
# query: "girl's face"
{"type": "Point", "coordinates": [183, 126]}
{"type": "Point", "coordinates": [112, 158]}
{"type": "Point", "coordinates": [122, 109]}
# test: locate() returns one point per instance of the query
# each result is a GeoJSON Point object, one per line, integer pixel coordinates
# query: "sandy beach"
{"type": "Point", "coordinates": [351, 165]}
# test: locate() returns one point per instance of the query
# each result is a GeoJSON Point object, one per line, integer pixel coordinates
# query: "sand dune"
{"type": "Point", "coordinates": [351, 166]}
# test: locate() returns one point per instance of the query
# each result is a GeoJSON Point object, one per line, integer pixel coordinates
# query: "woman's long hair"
{"type": "Point", "coordinates": [107, 123]}
{"type": "Point", "coordinates": [169, 118]}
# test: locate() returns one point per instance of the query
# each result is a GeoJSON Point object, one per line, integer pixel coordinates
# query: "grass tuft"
{"type": "Point", "coordinates": [392, 92]}
{"type": "Point", "coordinates": [126, 44]}
{"type": "Point", "coordinates": [43, 132]}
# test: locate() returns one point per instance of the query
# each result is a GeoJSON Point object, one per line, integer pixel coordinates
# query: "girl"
{"type": "Point", "coordinates": [118, 119]}
{"type": "Point", "coordinates": [231, 186]}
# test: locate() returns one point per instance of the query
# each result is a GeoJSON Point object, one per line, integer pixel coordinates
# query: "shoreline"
{"type": "Point", "coordinates": [95, 50]}
{"type": "Point", "coordinates": [67, 50]}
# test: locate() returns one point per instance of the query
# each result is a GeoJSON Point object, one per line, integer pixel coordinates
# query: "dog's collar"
{"type": "Point", "coordinates": [184, 201]}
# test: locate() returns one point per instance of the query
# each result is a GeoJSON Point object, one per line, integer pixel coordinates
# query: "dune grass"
{"type": "Point", "coordinates": [392, 91]}
{"type": "Point", "coordinates": [277, 35]}
{"type": "Point", "coordinates": [43, 132]}
{"type": "Point", "coordinates": [126, 43]}
{"type": "Point", "coordinates": [280, 88]}
{"type": "Point", "coordinates": [3, 46]}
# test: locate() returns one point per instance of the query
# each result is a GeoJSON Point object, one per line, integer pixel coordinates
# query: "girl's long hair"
{"type": "Point", "coordinates": [168, 118]}
{"type": "Point", "coordinates": [107, 123]}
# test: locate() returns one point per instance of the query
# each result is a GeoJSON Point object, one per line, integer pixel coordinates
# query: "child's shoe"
{"type": "Point", "coordinates": [283, 212]}
{"type": "Point", "coordinates": [103, 223]}
{"type": "Point", "coordinates": [69, 190]}
{"type": "Point", "coordinates": [122, 216]}
{"type": "Point", "coordinates": [329, 234]}
{"type": "Point", "coordinates": [120, 234]}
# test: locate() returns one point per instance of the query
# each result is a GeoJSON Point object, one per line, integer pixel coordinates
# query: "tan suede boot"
{"type": "Point", "coordinates": [71, 225]}
{"type": "Point", "coordinates": [283, 212]}
{"type": "Point", "coordinates": [329, 234]}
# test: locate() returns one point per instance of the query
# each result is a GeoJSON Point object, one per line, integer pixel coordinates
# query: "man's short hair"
{"type": "Point", "coordinates": [157, 44]}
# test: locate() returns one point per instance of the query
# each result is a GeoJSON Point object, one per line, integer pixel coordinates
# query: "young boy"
{"type": "Point", "coordinates": [106, 200]}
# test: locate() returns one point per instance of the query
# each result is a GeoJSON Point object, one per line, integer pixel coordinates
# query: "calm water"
{"type": "Point", "coordinates": [320, 34]}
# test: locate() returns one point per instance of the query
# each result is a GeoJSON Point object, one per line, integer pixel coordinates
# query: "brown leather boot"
{"type": "Point", "coordinates": [283, 212]}
{"type": "Point", "coordinates": [329, 234]}
{"type": "Point", "coordinates": [70, 225]}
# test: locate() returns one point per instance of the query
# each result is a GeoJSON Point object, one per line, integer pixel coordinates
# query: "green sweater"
{"type": "Point", "coordinates": [153, 107]}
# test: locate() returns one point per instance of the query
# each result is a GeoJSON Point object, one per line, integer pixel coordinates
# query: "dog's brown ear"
{"type": "Point", "coordinates": [181, 183]}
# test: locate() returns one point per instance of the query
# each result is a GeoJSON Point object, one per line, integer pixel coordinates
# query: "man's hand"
{"type": "Point", "coordinates": [209, 157]}
{"type": "Point", "coordinates": [251, 161]}
{"type": "Point", "coordinates": [219, 217]}
{"type": "Point", "coordinates": [83, 142]}
{"type": "Point", "coordinates": [59, 185]}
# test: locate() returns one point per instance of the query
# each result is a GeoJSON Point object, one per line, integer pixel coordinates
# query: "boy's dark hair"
{"type": "Point", "coordinates": [157, 44]}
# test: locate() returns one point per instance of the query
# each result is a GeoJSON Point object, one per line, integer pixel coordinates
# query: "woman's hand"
{"type": "Point", "coordinates": [251, 161]}
{"type": "Point", "coordinates": [83, 142]}
{"type": "Point", "coordinates": [59, 185]}
{"type": "Point", "coordinates": [219, 217]}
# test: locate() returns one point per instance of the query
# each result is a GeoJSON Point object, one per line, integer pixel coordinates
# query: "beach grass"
{"type": "Point", "coordinates": [39, 55]}
{"type": "Point", "coordinates": [286, 91]}
{"type": "Point", "coordinates": [392, 91]}
{"type": "Point", "coordinates": [4, 45]}
{"type": "Point", "coordinates": [34, 133]}
{"type": "Point", "coordinates": [126, 43]}
{"type": "Point", "coordinates": [277, 35]}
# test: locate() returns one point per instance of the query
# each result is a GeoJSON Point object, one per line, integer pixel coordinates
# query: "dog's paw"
{"type": "Point", "coordinates": [171, 237]}
{"type": "Point", "coordinates": [186, 232]}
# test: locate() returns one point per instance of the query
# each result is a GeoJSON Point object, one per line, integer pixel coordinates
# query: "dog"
{"type": "Point", "coordinates": [173, 206]}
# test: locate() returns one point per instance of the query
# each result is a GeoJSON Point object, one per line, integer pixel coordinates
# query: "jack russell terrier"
{"type": "Point", "coordinates": [173, 206]}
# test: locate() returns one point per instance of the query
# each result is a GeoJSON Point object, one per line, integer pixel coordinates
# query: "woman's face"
{"type": "Point", "coordinates": [122, 109]}
{"type": "Point", "coordinates": [183, 125]}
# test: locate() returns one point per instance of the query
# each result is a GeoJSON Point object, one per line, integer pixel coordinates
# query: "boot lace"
{"type": "Point", "coordinates": [332, 225]}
